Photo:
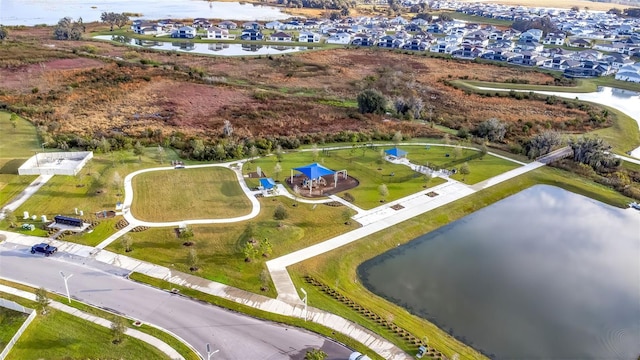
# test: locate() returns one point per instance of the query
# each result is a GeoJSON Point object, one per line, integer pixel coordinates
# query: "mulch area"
{"type": "Point", "coordinates": [322, 190]}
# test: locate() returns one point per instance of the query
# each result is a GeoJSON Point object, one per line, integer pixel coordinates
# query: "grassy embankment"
{"type": "Point", "coordinates": [176, 344]}
{"type": "Point", "coordinates": [623, 135]}
{"type": "Point", "coordinates": [10, 322]}
{"type": "Point", "coordinates": [203, 193]}
{"type": "Point", "coordinates": [17, 145]}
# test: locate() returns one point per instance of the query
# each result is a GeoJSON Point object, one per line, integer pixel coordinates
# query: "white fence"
{"type": "Point", "coordinates": [56, 163]}
{"type": "Point", "coordinates": [16, 307]}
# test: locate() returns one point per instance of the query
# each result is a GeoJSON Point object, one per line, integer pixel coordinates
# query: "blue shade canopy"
{"type": "Point", "coordinates": [314, 171]}
{"type": "Point", "coordinates": [267, 183]}
{"type": "Point", "coordinates": [395, 152]}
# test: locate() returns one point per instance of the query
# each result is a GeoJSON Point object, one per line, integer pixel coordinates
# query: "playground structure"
{"type": "Point", "coordinates": [316, 180]}
{"type": "Point", "coordinates": [56, 163]}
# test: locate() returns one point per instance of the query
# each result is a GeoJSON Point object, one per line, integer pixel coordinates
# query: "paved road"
{"type": "Point", "coordinates": [235, 335]}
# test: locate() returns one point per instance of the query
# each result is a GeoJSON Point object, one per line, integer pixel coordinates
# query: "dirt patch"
{"type": "Point", "coordinates": [105, 214]}
{"type": "Point", "coordinates": [397, 207]}
{"type": "Point", "coordinates": [432, 194]}
{"type": "Point", "coordinates": [45, 75]}
{"type": "Point", "coordinates": [322, 188]}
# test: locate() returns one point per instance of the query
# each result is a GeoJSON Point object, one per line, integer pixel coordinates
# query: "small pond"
{"type": "Point", "coordinates": [33, 12]}
{"type": "Point", "coordinates": [222, 49]}
{"type": "Point", "coordinates": [543, 274]}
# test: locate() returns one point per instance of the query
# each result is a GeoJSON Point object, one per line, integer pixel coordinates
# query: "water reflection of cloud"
{"type": "Point", "coordinates": [544, 264]}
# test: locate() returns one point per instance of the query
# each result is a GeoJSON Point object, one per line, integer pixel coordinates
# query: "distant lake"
{"type": "Point", "coordinates": [32, 12]}
{"type": "Point", "coordinates": [222, 49]}
{"type": "Point", "coordinates": [543, 274]}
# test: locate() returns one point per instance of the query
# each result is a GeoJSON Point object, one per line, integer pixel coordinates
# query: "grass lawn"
{"type": "Point", "coordinates": [97, 187]}
{"type": "Point", "coordinates": [17, 145]}
{"type": "Point", "coordinates": [202, 193]}
{"type": "Point", "coordinates": [220, 246]}
{"type": "Point", "coordinates": [176, 344]}
{"type": "Point", "coordinates": [10, 322]}
{"type": "Point", "coordinates": [59, 335]}
{"type": "Point", "coordinates": [363, 164]}
{"type": "Point", "coordinates": [338, 268]}
{"type": "Point", "coordinates": [480, 169]}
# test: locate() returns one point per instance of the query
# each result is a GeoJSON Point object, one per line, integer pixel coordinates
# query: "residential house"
{"type": "Point", "coordinates": [201, 23]}
{"type": "Point", "coordinates": [468, 51]}
{"type": "Point", "coordinates": [588, 69]}
{"type": "Point", "coordinates": [554, 39]}
{"type": "Point", "coordinates": [389, 41]}
{"type": "Point", "coordinates": [340, 38]}
{"type": "Point", "coordinates": [363, 40]}
{"type": "Point", "coordinates": [144, 27]}
{"type": "Point", "coordinates": [274, 25]}
{"type": "Point", "coordinates": [309, 37]}
{"type": "Point", "coordinates": [251, 35]}
{"type": "Point", "coordinates": [281, 37]}
{"type": "Point", "coordinates": [617, 60]}
{"type": "Point", "coordinates": [629, 72]}
{"type": "Point", "coordinates": [531, 35]}
{"type": "Point", "coordinates": [229, 25]}
{"type": "Point", "coordinates": [416, 45]}
{"type": "Point", "coordinates": [217, 33]}
{"type": "Point", "coordinates": [252, 25]}
{"type": "Point", "coordinates": [578, 42]}
{"type": "Point", "coordinates": [184, 32]}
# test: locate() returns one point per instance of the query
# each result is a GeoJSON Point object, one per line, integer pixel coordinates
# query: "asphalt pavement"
{"type": "Point", "coordinates": [236, 336]}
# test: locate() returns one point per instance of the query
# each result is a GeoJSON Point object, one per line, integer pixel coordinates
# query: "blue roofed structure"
{"type": "Point", "coordinates": [395, 152]}
{"type": "Point", "coordinates": [267, 183]}
{"type": "Point", "coordinates": [314, 171]}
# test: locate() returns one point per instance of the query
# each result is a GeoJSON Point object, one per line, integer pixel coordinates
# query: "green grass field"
{"type": "Point", "coordinates": [202, 193]}
{"type": "Point", "coordinates": [10, 322]}
{"type": "Point", "coordinates": [17, 145]}
{"type": "Point", "coordinates": [59, 335]}
{"type": "Point", "coordinates": [219, 246]}
{"type": "Point", "coordinates": [338, 268]}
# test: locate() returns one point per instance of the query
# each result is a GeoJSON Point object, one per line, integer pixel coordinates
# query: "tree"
{"type": "Point", "coordinates": [10, 217]}
{"type": "Point", "coordinates": [117, 330]}
{"type": "Point", "coordinates": [457, 152]}
{"type": "Point", "coordinates": [227, 129]}
{"type": "Point", "coordinates": [186, 234]}
{"type": "Point", "coordinates": [397, 138]}
{"type": "Point", "coordinates": [277, 170]}
{"type": "Point", "coordinates": [427, 179]}
{"type": "Point", "coordinates": [483, 150]}
{"type": "Point", "coordinates": [3, 33]}
{"type": "Point", "coordinates": [109, 18]}
{"type": "Point", "coordinates": [346, 216]}
{"type": "Point", "coordinates": [315, 151]}
{"type": "Point", "coordinates": [279, 152]}
{"type": "Point", "coordinates": [541, 144]}
{"type": "Point", "coordinates": [280, 213]}
{"type": "Point", "coordinates": [13, 119]}
{"type": "Point", "coordinates": [371, 101]}
{"type": "Point", "coordinates": [593, 152]}
{"type": "Point", "coordinates": [43, 300]}
{"type": "Point", "coordinates": [122, 20]}
{"type": "Point", "coordinates": [192, 260]}
{"type": "Point", "coordinates": [266, 248]}
{"type": "Point", "coordinates": [296, 194]}
{"type": "Point", "coordinates": [126, 242]}
{"type": "Point", "coordinates": [464, 170]}
{"type": "Point", "coordinates": [250, 252]}
{"type": "Point", "coordinates": [67, 29]}
{"type": "Point", "coordinates": [138, 150]}
{"type": "Point", "coordinates": [492, 129]}
{"type": "Point", "coordinates": [253, 152]}
{"type": "Point", "coordinates": [575, 8]}
{"type": "Point", "coordinates": [160, 155]}
{"type": "Point", "coordinates": [384, 192]}
{"type": "Point", "coordinates": [315, 354]}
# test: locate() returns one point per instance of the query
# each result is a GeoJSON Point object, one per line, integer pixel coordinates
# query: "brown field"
{"type": "Point", "coordinates": [308, 93]}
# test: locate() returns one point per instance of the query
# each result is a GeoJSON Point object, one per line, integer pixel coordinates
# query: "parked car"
{"type": "Point", "coordinates": [46, 249]}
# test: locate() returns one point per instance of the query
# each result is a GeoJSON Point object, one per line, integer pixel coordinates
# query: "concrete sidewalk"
{"type": "Point", "coordinates": [155, 342]}
{"type": "Point", "coordinates": [25, 194]}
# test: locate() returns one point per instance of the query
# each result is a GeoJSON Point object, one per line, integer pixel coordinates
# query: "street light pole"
{"type": "Point", "coordinates": [66, 284]}
{"type": "Point", "coordinates": [305, 303]}
{"type": "Point", "coordinates": [209, 352]}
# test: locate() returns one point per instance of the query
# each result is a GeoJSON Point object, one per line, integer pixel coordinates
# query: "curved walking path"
{"type": "Point", "coordinates": [153, 341]}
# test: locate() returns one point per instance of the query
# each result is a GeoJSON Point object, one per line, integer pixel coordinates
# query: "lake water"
{"type": "Point", "coordinates": [32, 12]}
{"type": "Point", "coordinates": [624, 100]}
{"type": "Point", "coordinates": [543, 274]}
{"type": "Point", "coordinates": [222, 49]}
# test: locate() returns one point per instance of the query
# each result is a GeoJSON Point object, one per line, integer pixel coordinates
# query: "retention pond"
{"type": "Point", "coordinates": [543, 274]}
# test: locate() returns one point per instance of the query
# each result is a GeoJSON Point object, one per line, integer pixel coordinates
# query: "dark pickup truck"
{"type": "Point", "coordinates": [46, 249]}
